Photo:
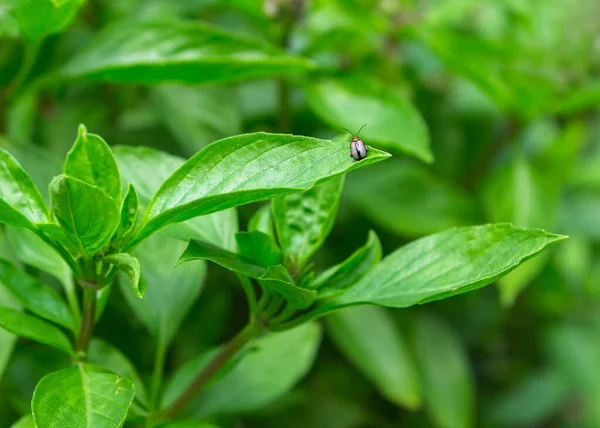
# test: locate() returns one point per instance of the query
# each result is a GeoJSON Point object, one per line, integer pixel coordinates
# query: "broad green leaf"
{"type": "Point", "coordinates": [40, 18]}
{"type": "Point", "coordinates": [197, 116]}
{"type": "Point", "coordinates": [262, 221]}
{"type": "Point", "coordinates": [278, 279]}
{"type": "Point", "coordinates": [130, 266]}
{"type": "Point", "coordinates": [303, 220]}
{"type": "Point", "coordinates": [87, 215]}
{"type": "Point", "coordinates": [265, 165]}
{"type": "Point", "coordinates": [82, 396]}
{"type": "Point", "coordinates": [260, 248]}
{"type": "Point", "coordinates": [408, 200]}
{"type": "Point", "coordinates": [172, 51]}
{"type": "Point", "coordinates": [25, 422]}
{"type": "Point", "coordinates": [278, 361]}
{"type": "Point", "coordinates": [21, 202]}
{"type": "Point", "coordinates": [7, 339]}
{"type": "Point", "coordinates": [107, 356]}
{"type": "Point", "coordinates": [392, 121]}
{"type": "Point", "coordinates": [129, 215]}
{"type": "Point", "coordinates": [34, 328]}
{"type": "Point", "coordinates": [369, 339]}
{"type": "Point", "coordinates": [147, 169]}
{"type": "Point", "coordinates": [447, 263]}
{"type": "Point", "coordinates": [170, 292]}
{"type": "Point", "coordinates": [199, 250]}
{"type": "Point", "coordinates": [448, 385]}
{"type": "Point", "coordinates": [91, 161]}
{"type": "Point", "coordinates": [38, 298]}
{"type": "Point", "coordinates": [337, 279]}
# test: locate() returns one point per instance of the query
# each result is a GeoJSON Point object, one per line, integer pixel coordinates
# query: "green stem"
{"type": "Point", "coordinates": [88, 321]}
{"type": "Point", "coordinates": [283, 316]}
{"type": "Point", "coordinates": [71, 293]}
{"type": "Point", "coordinates": [273, 307]}
{"type": "Point", "coordinates": [31, 53]}
{"type": "Point", "coordinates": [227, 352]}
{"type": "Point", "coordinates": [157, 375]}
{"type": "Point", "coordinates": [250, 295]}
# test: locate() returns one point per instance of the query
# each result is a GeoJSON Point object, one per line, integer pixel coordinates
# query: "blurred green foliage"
{"type": "Point", "coordinates": [497, 102]}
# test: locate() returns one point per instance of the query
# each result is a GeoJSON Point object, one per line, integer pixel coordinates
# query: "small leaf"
{"type": "Point", "coordinates": [91, 161]}
{"type": "Point", "coordinates": [370, 340]}
{"type": "Point", "coordinates": [262, 221]}
{"type": "Point", "coordinates": [448, 385]}
{"type": "Point", "coordinates": [286, 356]}
{"type": "Point", "coordinates": [260, 248]}
{"type": "Point", "coordinates": [34, 328]}
{"type": "Point", "coordinates": [177, 51]}
{"type": "Point", "coordinates": [447, 263]}
{"type": "Point", "coordinates": [265, 165]}
{"type": "Point", "coordinates": [129, 215]}
{"type": "Point", "coordinates": [38, 298]}
{"type": "Point", "coordinates": [87, 215]}
{"type": "Point", "coordinates": [337, 279]}
{"type": "Point", "coordinates": [130, 266]}
{"type": "Point", "coordinates": [303, 220]}
{"type": "Point", "coordinates": [392, 121]}
{"type": "Point", "coordinates": [82, 396]}
{"type": "Point", "coordinates": [278, 279]}
{"type": "Point", "coordinates": [38, 19]}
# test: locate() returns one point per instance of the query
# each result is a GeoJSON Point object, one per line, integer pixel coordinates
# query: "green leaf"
{"type": "Point", "coordinates": [91, 161]}
{"type": "Point", "coordinates": [199, 250]}
{"type": "Point", "coordinates": [260, 248]}
{"type": "Point", "coordinates": [25, 422]}
{"type": "Point", "coordinates": [197, 116]}
{"type": "Point", "coordinates": [39, 18]}
{"type": "Point", "coordinates": [448, 385]}
{"type": "Point", "coordinates": [303, 220]}
{"type": "Point", "coordinates": [184, 52]}
{"type": "Point", "coordinates": [262, 221]}
{"type": "Point", "coordinates": [265, 165]}
{"type": "Point", "coordinates": [277, 363]}
{"type": "Point", "coordinates": [147, 169]}
{"type": "Point", "coordinates": [7, 339]}
{"type": "Point", "coordinates": [278, 279]}
{"type": "Point", "coordinates": [34, 328]}
{"type": "Point", "coordinates": [87, 215]}
{"type": "Point", "coordinates": [107, 356]}
{"type": "Point", "coordinates": [580, 98]}
{"type": "Point", "coordinates": [129, 215]}
{"type": "Point", "coordinates": [21, 202]}
{"type": "Point", "coordinates": [38, 298]}
{"type": "Point", "coordinates": [170, 293]}
{"type": "Point", "coordinates": [337, 279]}
{"type": "Point", "coordinates": [189, 424]}
{"type": "Point", "coordinates": [82, 395]}
{"type": "Point", "coordinates": [392, 193]}
{"type": "Point", "coordinates": [369, 339]}
{"type": "Point", "coordinates": [130, 266]}
{"type": "Point", "coordinates": [392, 121]}
{"type": "Point", "coordinates": [447, 263]}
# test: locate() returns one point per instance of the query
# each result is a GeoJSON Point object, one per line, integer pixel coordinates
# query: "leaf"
{"type": "Point", "coordinates": [278, 362]}
{"type": "Point", "coordinates": [176, 51]}
{"type": "Point", "coordinates": [262, 221]}
{"type": "Point", "coordinates": [170, 292]}
{"type": "Point", "coordinates": [265, 165]}
{"type": "Point", "coordinates": [34, 328]}
{"type": "Point", "coordinates": [39, 18]}
{"type": "Point", "coordinates": [87, 215]}
{"type": "Point", "coordinates": [130, 266]}
{"type": "Point", "coordinates": [189, 424]}
{"type": "Point", "coordinates": [107, 356]}
{"type": "Point", "coordinates": [304, 220]}
{"type": "Point", "coordinates": [129, 215]}
{"type": "Point", "coordinates": [7, 340]}
{"type": "Point", "coordinates": [448, 385]}
{"type": "Point", "coordinates": [392, 193]}
{"type": "Point", "coordinates": [260, 248]}
{"type": "Point", "coordinates": [392, 121]}
{"type": "Point", "coordinates": [91, 161]}
{"type": "Point", "coordinates": [21, 202]}
{"type": "Point", "coordinates": [147, 169]}
{"type": "Point", "coordinates": [82, 395]}
{"type": "Point", "coordinates": [339, 278]}
{"type": "Point", "coordinates": [197, 116]}
{"type": "Point", "coordinates": [369, 339]}
{"type": "Point", "coordinates": [38, 298]}
{"type": "Point", "coordinates": [198, 250]}
{"type": "Point", "coordinates": [279, 279]}
{"type": "Point", "coordinates": [25, 422]}
{"type": "Point", "coordinates": [447, 263]}
{"type": "Point", "coordinates": [580, 98]}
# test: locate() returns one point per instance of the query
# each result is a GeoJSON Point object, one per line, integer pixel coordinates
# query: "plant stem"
{"type": "Point", "coordinates": [250, 296]}
{"type": "Point", "coordinates": [229, 350]}
{"type": "Point", "coordinates": [71, 293]}
{"type": "Point", "coordinates": [157, 374]}
{"type": "Point", "coordinates": [31, 53]}
{"type": "Point", "coordinates": [89, 319]}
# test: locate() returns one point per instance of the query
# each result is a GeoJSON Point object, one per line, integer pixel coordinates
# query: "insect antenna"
{"type": "Point", "coordinates": [360, 129]}
{"type": "Point", "coordinates": [348, 131]}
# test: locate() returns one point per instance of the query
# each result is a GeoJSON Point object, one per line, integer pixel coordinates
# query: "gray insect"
{"type": "Point", "coordinates": [358, 149]}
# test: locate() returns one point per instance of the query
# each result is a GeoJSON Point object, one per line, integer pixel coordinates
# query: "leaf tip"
{"type": "Point", "coordinates": [82, 131]}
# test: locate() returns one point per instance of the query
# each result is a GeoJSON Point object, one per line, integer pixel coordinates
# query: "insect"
{"type": "Point", "coordinates": [358, 149]}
